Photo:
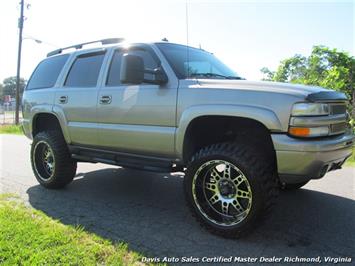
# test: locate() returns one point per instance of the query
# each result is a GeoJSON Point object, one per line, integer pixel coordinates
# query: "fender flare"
{"type": "Point", "coordinates": [52, 110]}
{"type": "Point", "coordinates": [260, 114]}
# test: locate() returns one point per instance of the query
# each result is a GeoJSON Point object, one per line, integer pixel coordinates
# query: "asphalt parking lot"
{"type": "Point", "coordinates": [147, 211]}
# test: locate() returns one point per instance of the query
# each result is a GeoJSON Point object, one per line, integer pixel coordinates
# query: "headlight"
{"type": "Point", "coordinates": [310, 109]}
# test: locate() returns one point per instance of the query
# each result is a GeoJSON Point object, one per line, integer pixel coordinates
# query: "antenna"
{"type": "Point", "coordinates": [187, 37]}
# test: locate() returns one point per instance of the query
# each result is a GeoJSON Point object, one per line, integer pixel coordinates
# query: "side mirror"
{"type": "Point", "coordinates": [159, 76]}
{"type": "Point", "coordinates": [132, 69]}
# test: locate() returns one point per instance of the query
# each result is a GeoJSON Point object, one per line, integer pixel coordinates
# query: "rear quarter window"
{"type": "Point", "coordinates": [47, 72]}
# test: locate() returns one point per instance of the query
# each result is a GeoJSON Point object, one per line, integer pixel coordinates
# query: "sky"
{"type": "Point", "coordinates": [246, 35]}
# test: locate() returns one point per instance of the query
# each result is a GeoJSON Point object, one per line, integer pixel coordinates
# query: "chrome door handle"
{"type": "Point", "coordinates": [63, 99]}
{"type": "Point", "coordinates": [105, 99]}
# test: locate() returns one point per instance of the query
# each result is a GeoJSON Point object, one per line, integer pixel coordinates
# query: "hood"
{"type": "Point", "coordinates": [297, 90]}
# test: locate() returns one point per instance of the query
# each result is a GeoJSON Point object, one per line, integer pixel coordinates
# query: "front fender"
{"type": "Point", "coordinates": [263, 115]}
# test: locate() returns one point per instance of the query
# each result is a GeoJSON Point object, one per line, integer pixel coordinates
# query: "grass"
{"type": "Point", "coordinates": [29, 237]}
{"type": "Point", "coordinates": [351, 160]}
{"type": "Point", "coordinates": [10, 129]}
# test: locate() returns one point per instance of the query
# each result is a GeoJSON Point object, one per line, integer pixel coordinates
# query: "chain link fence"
{"type": "Point", "coordinates": [7, 115]}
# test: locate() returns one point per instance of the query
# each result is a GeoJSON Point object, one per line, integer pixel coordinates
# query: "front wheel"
{"type": "Point", "coordinates": [229, 187]}
{"type": "Point", "coordinates": [51, 160]}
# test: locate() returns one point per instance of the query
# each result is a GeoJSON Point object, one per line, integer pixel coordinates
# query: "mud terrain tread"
{"type": "Point", "coordinates": [259, 167]}
{"type": "Point", "coordinates": [65, 166]}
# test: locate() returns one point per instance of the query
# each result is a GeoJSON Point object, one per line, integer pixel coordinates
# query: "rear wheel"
{"type": "Point", "coordinates": [228, 188]}
{"type": "Point", "coordinates": [51, 160]}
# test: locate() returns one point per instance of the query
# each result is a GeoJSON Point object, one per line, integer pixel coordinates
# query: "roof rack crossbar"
{"type": "Point", "coordinates": [80, 45]}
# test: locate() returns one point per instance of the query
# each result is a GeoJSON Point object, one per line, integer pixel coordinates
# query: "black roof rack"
{"type": "Point", "coordinates": [80, 45]}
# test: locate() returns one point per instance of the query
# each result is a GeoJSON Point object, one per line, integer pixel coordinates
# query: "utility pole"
{"type": "Point", "coordinates": [20, 26]}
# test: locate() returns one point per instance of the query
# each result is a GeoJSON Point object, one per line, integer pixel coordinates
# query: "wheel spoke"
{"type": "Point", "coordinates": [214, 199]}
{"type": "Point", "coordinates": [225, 207]}
{"type": "Point", "coordinates": [237, 206]}
{"type": "Point", "coordinates": [50, 166]}
{"type": "Point", "coordinates": [215, 175]}
{"type": "Point", "coordinates": [243, 194]}
{"type": "Point", "coordinates": [46, 153]}
{"type": "Point", "coordinates": [227, 172]}
{"type": "Point", "coordinates": [238, 180]}
{"type": "Point", "coordinates": [211, 186]}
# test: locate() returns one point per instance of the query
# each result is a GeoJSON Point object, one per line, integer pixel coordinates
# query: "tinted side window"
{"type": "Point", "coordinates": [113, 78]}
{"type": "Point", "coordinates": [148, 59]}
{"type": "Point", "coordinates": [85, 71]}
{"type": "Point", "coordinates": [47, 72]}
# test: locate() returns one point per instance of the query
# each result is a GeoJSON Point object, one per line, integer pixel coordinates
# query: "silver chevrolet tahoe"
{"type": "Point", "coordinates": [167, 107]}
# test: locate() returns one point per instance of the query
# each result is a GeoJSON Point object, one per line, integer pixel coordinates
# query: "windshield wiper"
{"type": "Point", "coordinates": [214, 75]}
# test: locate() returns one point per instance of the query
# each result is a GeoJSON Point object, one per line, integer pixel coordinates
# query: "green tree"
{"type": "Point", "coordinates": [9, 86]}
{"type": "Point", "coordinates": [268, 74]}
{"type": "Point", "coordinates": [325, 67]}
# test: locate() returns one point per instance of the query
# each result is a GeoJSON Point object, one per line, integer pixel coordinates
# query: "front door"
{"type": "Point", "coordinates": [137, 118]}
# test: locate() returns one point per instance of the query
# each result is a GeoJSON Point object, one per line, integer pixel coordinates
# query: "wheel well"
{"type": "Point", "coordinates": [207, 130]}
{"type": "Point", "coordinates": [43, 122]}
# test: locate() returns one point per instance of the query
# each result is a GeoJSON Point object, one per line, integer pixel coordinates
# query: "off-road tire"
{"type": "Point", "coordinates": [64, 168]}
{"type": "Point", "coordinates": [261, 176]}
{"type": "Point", "coordinates": [294, 186]}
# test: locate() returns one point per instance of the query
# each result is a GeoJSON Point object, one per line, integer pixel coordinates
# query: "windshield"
{"type": "Point", "coordinates": [199, 64]}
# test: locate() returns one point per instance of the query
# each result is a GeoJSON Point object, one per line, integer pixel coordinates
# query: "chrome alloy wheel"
{"type": "Point", "coordinates": [222, 192]}
{"type": "Point", "coordinates": [44, 160]}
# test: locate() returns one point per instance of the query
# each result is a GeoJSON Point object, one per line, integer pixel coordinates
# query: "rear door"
{"type": "Point", "coordinates": [77, 97]}
{"type": "Point", "coordinates": [40, 89]}
{"type": "Point", "coordinates": [140, 118]}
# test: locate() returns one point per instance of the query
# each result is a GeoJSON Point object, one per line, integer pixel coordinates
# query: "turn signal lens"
{"type": "Point", "coordinates": [308, 131]}
{"type": "Point", "coordinates": [299, 131]}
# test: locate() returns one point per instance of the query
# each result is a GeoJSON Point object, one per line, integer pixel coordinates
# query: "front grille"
{"type": "Point", "coordinates": [338, 128]}
{"type": "Point", "coordinates": [337, 109]}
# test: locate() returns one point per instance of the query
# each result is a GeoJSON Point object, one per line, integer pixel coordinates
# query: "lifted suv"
{"type": "Point", "coordinates": [166, 107]}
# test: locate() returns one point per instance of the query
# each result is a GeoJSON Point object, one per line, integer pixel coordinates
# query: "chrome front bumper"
{"type": "Point", "coordinates": [300, 160]}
